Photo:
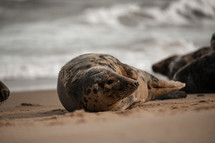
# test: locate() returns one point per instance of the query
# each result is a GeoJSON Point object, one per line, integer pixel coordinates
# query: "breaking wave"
{"type": "Point", "coordinates": [181, 12]}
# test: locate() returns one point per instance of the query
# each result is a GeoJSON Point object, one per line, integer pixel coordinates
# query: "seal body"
{"type": "Point", "coordinates": [4, 92]}
{"type": "Point", "coordinates": [98, 82]}
{"type": "Point", "coordinates": [199, 75]}
{"type": "Point", "coordinates": [172, 64]}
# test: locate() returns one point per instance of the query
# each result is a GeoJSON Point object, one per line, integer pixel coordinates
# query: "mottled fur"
{"type": "Point", "coordinates": [98, 82]}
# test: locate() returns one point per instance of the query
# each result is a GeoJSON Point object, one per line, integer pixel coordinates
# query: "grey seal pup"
{"type": "Point", "coordinates": [100, 82]}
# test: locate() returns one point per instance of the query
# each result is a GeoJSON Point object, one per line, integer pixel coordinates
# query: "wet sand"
{"type": "Point", "coordinates": [39, 117]}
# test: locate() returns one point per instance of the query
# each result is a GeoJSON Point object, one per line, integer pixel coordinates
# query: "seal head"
{"type": "Point", "coordinates": [103, 89]}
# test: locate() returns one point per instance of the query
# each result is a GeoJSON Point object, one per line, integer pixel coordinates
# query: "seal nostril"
{"type": "Point", "coordinates": [136, 84]}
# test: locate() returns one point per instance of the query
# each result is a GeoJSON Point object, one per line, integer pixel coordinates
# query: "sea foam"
{"type": "Point", "coordinates": [182, 12]}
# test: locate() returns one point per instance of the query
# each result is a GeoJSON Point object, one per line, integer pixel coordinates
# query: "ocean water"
{"type": "Point", "coordinates": [37, 37]}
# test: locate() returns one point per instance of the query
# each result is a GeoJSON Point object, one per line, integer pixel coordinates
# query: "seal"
{"type": "Point", "coordinates": [172, 64]}
{"type": "Point", "coordinates": [199, 75]}
{"type": "Point", "coordinates": [100, 82]}
{"type": "Point", "coordinates": [4, 92]}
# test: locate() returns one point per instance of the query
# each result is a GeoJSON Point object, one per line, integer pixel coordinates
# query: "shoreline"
{"type": "Point", "coordinates": [31, 85]}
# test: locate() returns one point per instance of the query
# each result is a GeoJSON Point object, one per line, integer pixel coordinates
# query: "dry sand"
{"type": "Point", "coordinates": [39, 117]}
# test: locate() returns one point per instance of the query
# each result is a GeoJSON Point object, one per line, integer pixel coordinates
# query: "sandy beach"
{"type": "Point", "coordinates": [39, 117]}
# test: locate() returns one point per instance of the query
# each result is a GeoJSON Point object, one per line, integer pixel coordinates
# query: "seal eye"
{"type": "Point", "coordinates": [110, 82]}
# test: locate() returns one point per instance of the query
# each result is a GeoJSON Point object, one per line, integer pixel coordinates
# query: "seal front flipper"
{"type": "Point", "coordinates": [158, 87]}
